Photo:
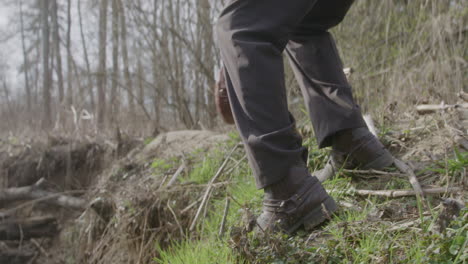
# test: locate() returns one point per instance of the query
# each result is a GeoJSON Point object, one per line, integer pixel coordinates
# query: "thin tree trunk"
{"type": "Point", "coordinates": [102, 64]}
{"type": "Point", "coordinates": [141, 87]}
{"type": "Point", "coordinates": [114, 101]}
{"type": "Point", "coordinates": [128, 79]}
{"type": "Point", "coordinates": [85, 53]}
{"type": "Point", "coordinates": [10, 117]}
{"type": "Point", "coordinates": [58, 55]}
{"type": "Point", "coordinates": [156, 94]}
{"type": "Point", "coordinates": [69, 56]}
{"type": "Point", "coordinates": [25, 61]}
{"type": "Point", "coordinates": [46, 89]}
{"type": "Point", "coordinates": [208, 59]}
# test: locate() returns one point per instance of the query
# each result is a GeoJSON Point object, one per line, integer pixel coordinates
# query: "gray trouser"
{"type": "Point", "coordinates": [252, 35]}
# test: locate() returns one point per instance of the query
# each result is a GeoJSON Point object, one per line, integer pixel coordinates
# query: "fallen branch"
{"type": "Point", "coordinates": [181, 230]}
{"type": "Point", "coordinates": [33, 192]}
{"type": "Point", "coordinates": [409, 224]}
{"type": "Point", "coordinates": [23, 229]}
{"type": "Point", "coordinates": [223, 222]}
{"type": "Point", "coordinates": [15, 256]}
{"type": "Point", "coordinates": [176, 175]}
{"type": "Point", "coordinates": [210, 186]}
{"type": "Point", "coordinates": [403, 167]}
{"type": "Point", "coordinates": [428, 109]}
{"type": "Point", "coordinates": [374, 172]}
{"type": "Point", "coordinates": [406, 193]}
{"type": "Point", "coordinates": [41, 249]}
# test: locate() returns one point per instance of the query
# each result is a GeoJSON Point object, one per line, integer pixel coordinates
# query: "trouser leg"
{"type": "Point", "coordinates": [319, 70]}
{"type": "Point", "coordinates": [252, 35]}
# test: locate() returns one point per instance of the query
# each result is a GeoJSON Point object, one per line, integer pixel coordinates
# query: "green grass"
{"type": "Point", "coordinates": [361, 234]}
{"type": "Point", "coordinates": [198, 252]}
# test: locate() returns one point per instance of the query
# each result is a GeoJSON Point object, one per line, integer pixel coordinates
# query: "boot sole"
{"type": "Point", "coordinates": [317, 216]}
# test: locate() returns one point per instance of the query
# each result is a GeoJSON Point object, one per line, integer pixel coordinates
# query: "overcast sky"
{"type": "Point", "coordinates": [8, 53]}
{"type": "Point", "coordinates": [11, 51]}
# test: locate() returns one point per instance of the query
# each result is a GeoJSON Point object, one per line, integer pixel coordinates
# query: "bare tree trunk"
{"type": "Point", "coordinates": [156, 94]}
{"type": "Point", "coordinates": [128, 79]}
{"type": "Point", "coordinates": [10, 117]}
{"type": "Point", "coordinates": [69, 56]}
{"type": "Point", "coordinates": [85, 53]}
{"type": "Point", "coordinates": [198, 40]}
{"type": "Point", "coordinates": [102, 64]}
{"type": "Point", "coordinates": [208, 59]}
{"type": "Point", "coordinates": [114, 100]}
{"type": "Point", "coordinates": [141, 79]}
{"type": "Point", "coordinates": [46, 89]}
{"type": "Point", "coordinates": [58, 55]}
{"type": "Point", "coordinates": [25, 61]}
{"type": "Point", "coordinates": [178, 78]}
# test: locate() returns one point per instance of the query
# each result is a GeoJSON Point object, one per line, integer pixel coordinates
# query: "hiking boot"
{"type": "Point", "coordinates": [355, 149]}
{"type": "Point", "coordinates": [358, 148]}
{"type": "Point", "coordinates": [289, 205]}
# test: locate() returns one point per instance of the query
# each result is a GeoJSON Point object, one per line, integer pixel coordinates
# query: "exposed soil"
{"type": "Point", "coordinates": [121, 187]}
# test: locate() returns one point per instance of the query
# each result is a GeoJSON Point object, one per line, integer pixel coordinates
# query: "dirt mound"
{"type": "Point", "coordinates": [178, 142]}
{"type": "Point", "coordinates": [133, 207]}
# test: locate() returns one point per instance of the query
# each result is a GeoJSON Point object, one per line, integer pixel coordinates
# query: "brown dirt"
{"type": "Point", "coordinates": [136, 212]}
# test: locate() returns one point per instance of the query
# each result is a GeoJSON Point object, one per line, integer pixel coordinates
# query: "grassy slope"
{"type": "Point", "coordinates": [360, 234]}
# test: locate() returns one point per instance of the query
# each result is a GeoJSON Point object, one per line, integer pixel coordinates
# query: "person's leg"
{"type": "Point", "coordinates": [336, 117]}
{"type": "Point", "coordinates": [319, 70]}
{"type": "Point", "coordinates": [252, 36]}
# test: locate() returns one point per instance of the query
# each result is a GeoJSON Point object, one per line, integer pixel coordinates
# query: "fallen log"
{"type": "Point", "coordinates": [24, 229]}
{"type": "Point", "coordinates": [34, 192]}
{"type": "Point", "coordinates": [428, 109]}
{"type": "Point", "coordinates": [15, 256]}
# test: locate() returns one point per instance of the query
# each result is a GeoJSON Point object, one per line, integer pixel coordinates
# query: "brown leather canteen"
{"type": "Point", "coordinates": [222, 99]}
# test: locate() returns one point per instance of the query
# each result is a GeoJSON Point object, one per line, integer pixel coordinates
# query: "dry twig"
{"type": "Point", "coordinates": [405, 193]}
{"type": "Point", "coordinates": [223, 222]}
{"type": "Point", "coordinates": [176, 219]}
{"type": "Point", "coordinates": [374, 172]}
{"type": "Point", "coordinates": [403, 167]}
{"type": "Point", "coordinates": [176, 175]}
{"type": "Point", "coordinates": [210, 187]}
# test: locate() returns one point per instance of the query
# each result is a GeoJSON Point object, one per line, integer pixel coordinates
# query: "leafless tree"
{"type": "Point", "coordinates": [102, 71]}
{"type": "Point", "coordinates": [46, 77]}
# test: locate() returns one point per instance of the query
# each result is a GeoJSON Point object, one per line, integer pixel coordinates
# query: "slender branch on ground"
{"type": "Point", "coordinates": [403, 167]}
{"type": "Point", "coordinates": [405, 193]}
{"type": "Point", "coordinates": [374, 172]}
{"type": "Point", "coordinates": [210, 187]}
{"type": "Point", "coordinates": [176, 219]}
{"type": "Point", "coordinates": [223, 222]}
{"type": "Point", "coordinates": [176, 175]}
